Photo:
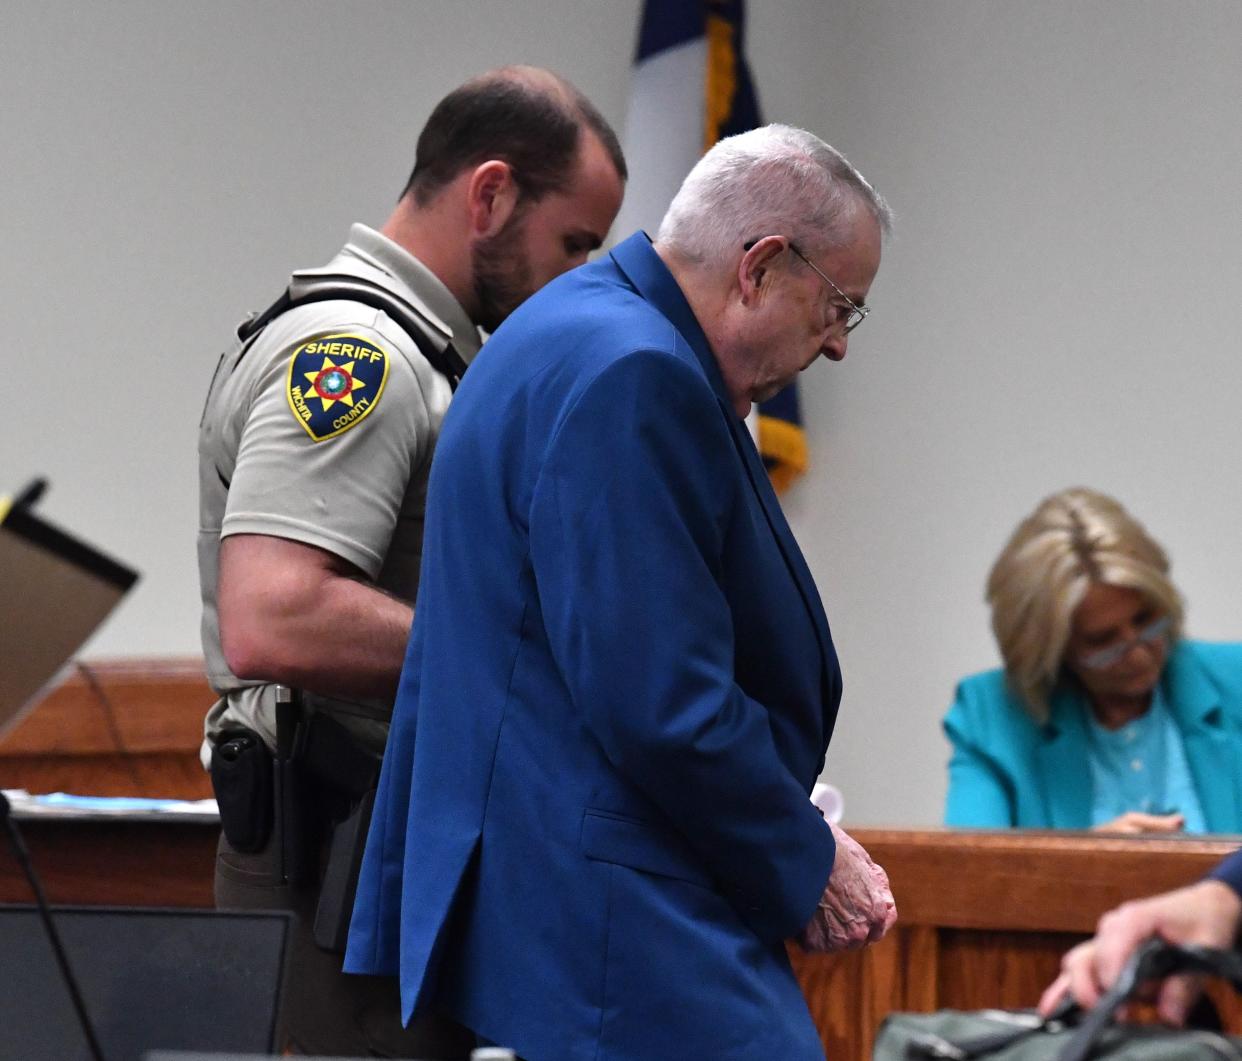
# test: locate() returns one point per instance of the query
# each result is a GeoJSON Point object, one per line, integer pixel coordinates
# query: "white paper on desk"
{"type": "Point", "coordinates": [54, 591]}
{"type": "Point", "coordinates": [66, 805]}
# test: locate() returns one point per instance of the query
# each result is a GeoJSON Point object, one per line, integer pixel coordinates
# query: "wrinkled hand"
{"type": "Point", "coordinates": [856, 908]}
{"type": "Point", "coordinates": [1134, 821]}
{"type": "Point", "coordinates": [1207, 914]}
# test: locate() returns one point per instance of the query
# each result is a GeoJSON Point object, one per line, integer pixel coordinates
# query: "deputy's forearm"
{"type": "Point", "coordinates": [350, 643]}
{"type": "Point", "coordinates": [295, 615]}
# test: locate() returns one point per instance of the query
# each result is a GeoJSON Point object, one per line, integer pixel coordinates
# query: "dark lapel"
{"type": "Point", "coordinates": [1211, 752]}
{"type": "Point", "coordinates": [637, 259]}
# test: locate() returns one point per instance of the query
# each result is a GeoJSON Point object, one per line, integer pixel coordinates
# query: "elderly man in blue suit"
{"type": "Point", "coordinates": [592, 833]}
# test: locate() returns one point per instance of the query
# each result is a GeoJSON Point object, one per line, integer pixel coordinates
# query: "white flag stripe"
{"type": "Point", "coordinates": [663, 133]}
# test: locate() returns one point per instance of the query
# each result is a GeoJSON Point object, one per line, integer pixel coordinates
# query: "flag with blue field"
{"type": "Point", "coordinates": [691, 87]}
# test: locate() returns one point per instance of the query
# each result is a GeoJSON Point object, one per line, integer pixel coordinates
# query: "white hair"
{"type": "Point", "coordinates": [775, 180]}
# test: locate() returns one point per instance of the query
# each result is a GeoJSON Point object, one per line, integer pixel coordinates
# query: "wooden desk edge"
{"type": "Point", "coordinates": [1007, 880]}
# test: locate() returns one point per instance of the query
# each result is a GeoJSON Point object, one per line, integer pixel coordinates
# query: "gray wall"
{"type": "Point", "coordinates": [1055, 308]}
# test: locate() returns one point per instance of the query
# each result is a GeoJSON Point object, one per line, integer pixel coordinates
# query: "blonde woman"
{"type": "Point", "coordinates": [1103, 717]}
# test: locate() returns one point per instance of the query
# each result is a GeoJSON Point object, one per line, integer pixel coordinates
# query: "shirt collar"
{"type": "Point", "coordinates": [1136, 731]}
{"type": "Point", "coordinates": [637, 258]}
{"type": "Point", "coordinates": [379, 251]}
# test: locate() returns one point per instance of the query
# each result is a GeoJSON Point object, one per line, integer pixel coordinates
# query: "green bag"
{"type": "Point", "coordinates": [1069, 1034]}
{"type": "Point", "coordinates": [954, 1036]}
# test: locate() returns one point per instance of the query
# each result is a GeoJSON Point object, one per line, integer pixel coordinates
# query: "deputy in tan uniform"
{"type": "Point", "coordinates": [314, 452]}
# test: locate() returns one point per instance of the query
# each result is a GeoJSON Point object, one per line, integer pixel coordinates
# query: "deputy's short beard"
{"type": "Point", "coordinates": [502, 279]}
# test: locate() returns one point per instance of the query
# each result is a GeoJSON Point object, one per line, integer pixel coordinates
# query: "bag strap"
{"type": "Point", "coordinates": [333, 286]}
{"type": "Point", "coordinates": [1154, 960]}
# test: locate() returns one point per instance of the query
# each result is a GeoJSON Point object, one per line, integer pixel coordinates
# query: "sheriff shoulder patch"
{"type": "Point", "coordinates": [334, 382]}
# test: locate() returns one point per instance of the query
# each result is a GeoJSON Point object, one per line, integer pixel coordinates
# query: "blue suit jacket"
{"type": "Point", "coordinates": [592, 831]}
{"type": "Point", "coordinates": [1230, 872]}
{"type": "Point", "coordinates": [1006, 769]}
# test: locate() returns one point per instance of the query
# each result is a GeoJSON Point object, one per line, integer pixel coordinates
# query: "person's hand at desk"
{"type": "Point", "coordinates": [1134, 821]}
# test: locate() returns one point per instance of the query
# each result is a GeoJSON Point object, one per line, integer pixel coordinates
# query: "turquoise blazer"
{"type": "Point", "coordinates": [1008, 770]}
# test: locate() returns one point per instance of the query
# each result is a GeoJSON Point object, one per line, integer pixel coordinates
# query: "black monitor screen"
{"type": "Point", "coordinates": [151, 979]}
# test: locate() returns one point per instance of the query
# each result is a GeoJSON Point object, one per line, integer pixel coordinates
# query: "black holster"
{"type": "Point", "coordinates": [346, 775]}
{"type": "Point", "coordinates": [320, 783]}
{"type": "Point", "coordinates": [340, 875]}
{"type": "Point", "coordinates": [297, 818]}
{"type": "Point", "coordinates": [327, 771]}
{"type": "Point", "coordinates": [243, 780]}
